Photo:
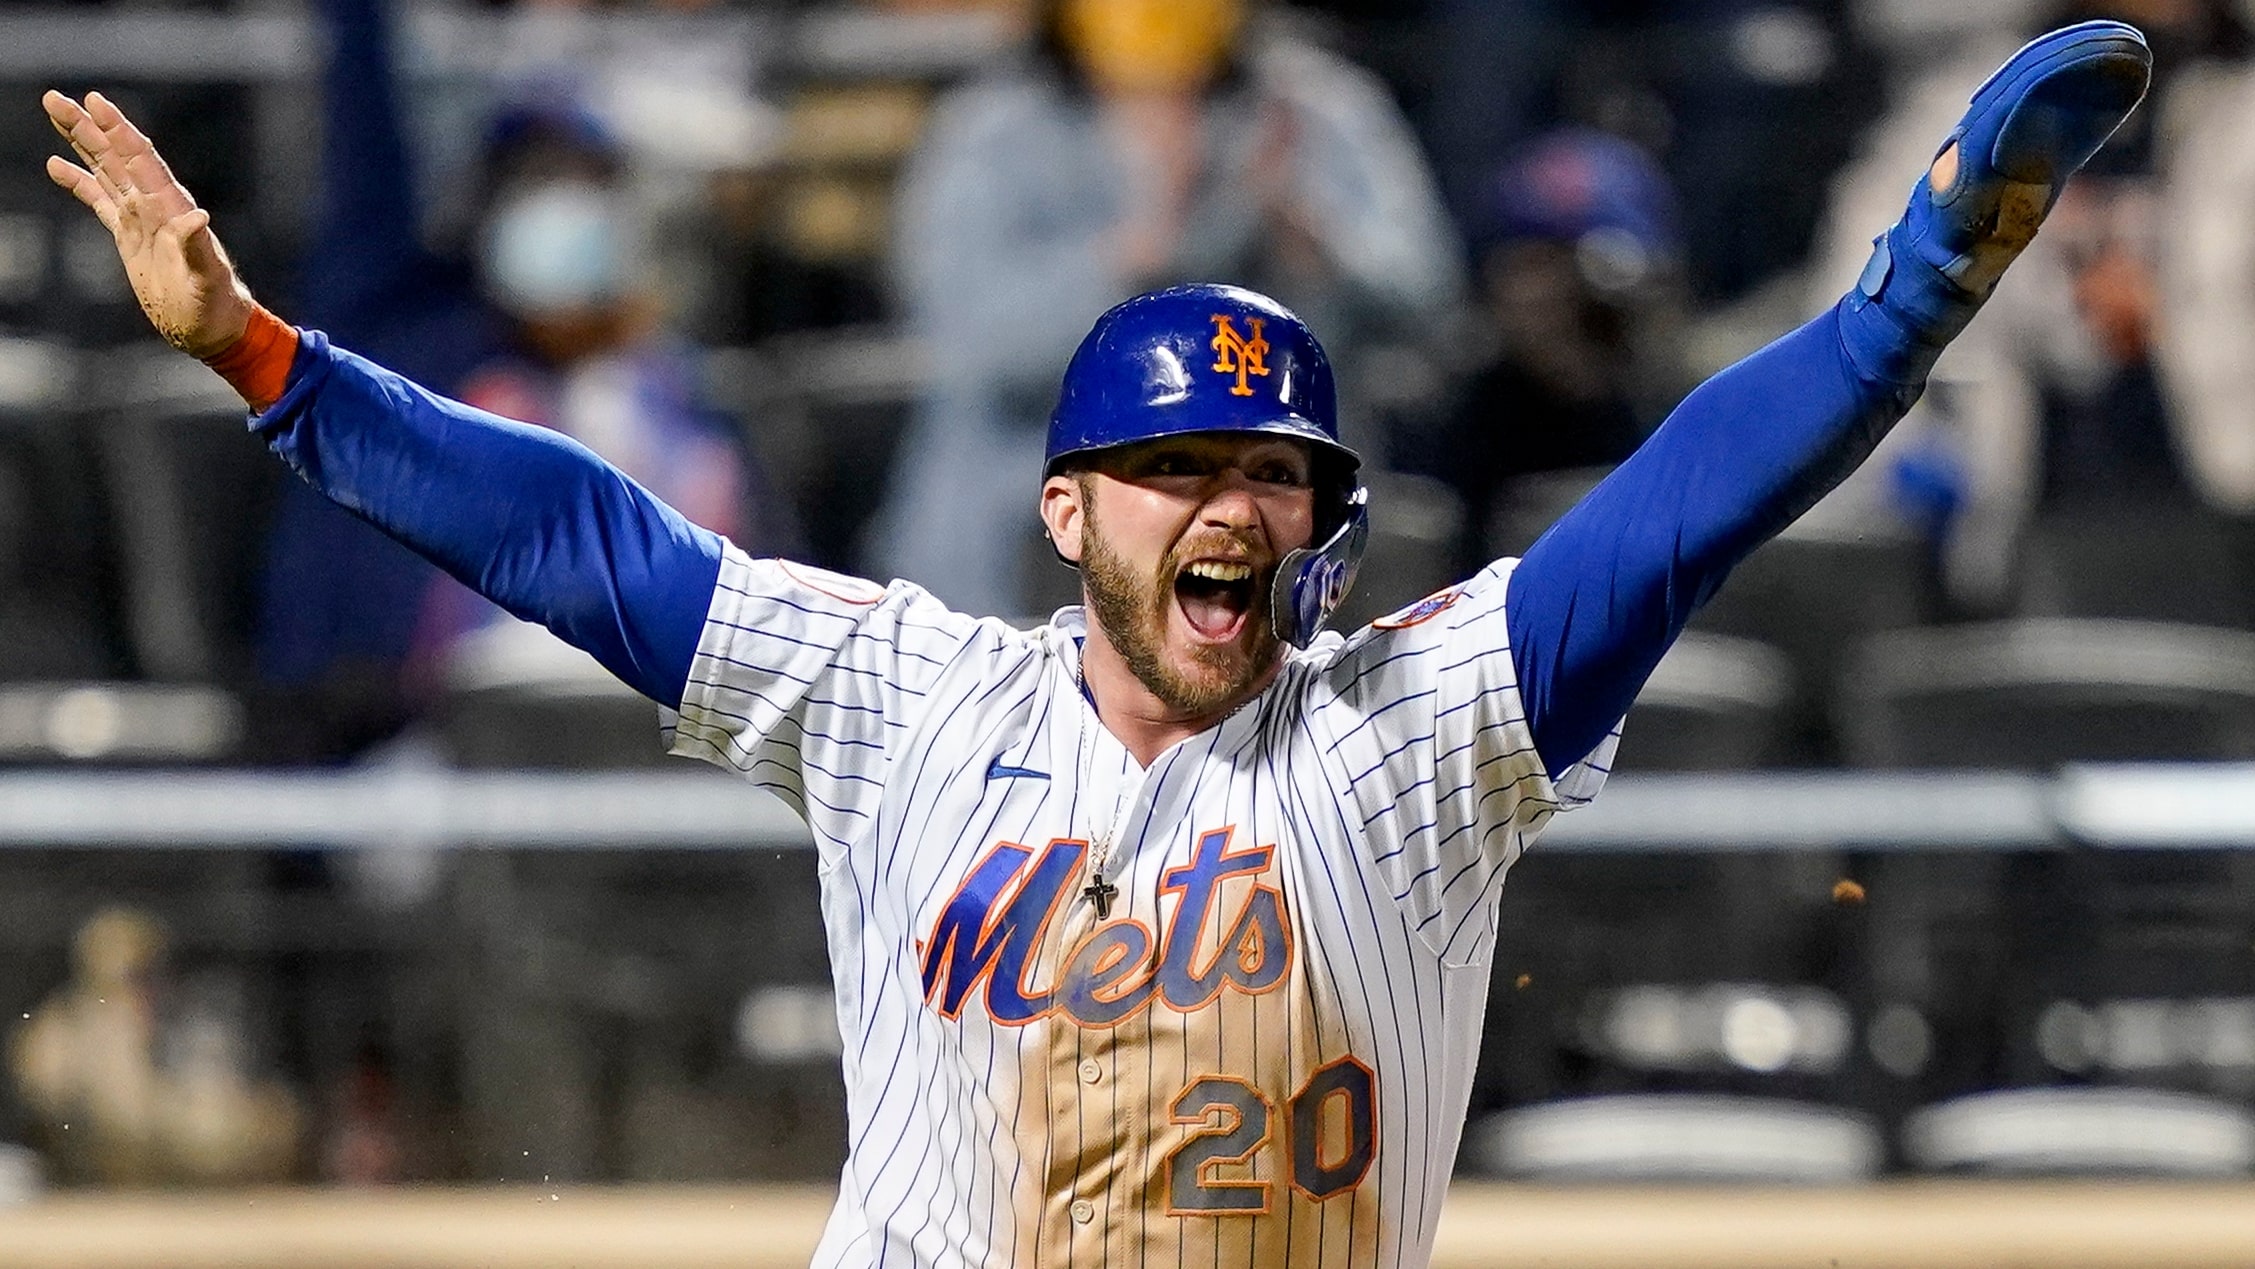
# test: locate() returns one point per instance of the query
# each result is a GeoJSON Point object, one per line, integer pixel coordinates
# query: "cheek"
{"type": "Point", "coordinates": [1290, 521]}
{"type": "Point", "coordinates": [1142, 525]}
{"type": "Point", "coordinates": [1133, 530]}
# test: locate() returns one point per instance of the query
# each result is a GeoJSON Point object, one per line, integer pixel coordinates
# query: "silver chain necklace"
{"type": "Point", "coordinates": [1099, 891]}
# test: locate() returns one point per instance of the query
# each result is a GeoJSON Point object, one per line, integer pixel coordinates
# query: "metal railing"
{"type": "Point", "coordinates": [2135, 807]}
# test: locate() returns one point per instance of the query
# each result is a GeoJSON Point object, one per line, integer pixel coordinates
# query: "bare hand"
{"type": "Point", "coordinates": [180, 274]}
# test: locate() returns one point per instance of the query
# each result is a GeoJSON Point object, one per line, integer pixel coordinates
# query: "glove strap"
{"type": "Point", "coordinates": [1902, 314]}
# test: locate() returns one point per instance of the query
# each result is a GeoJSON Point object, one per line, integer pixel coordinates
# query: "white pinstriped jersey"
{"type": "Point", "coordinates": [1260, 1050]}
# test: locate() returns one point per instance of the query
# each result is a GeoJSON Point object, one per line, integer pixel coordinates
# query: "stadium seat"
{"type": "Point", "coordinates": [824, 411]}
{"type": "Point", "coordinates": [59, 619]}
{"type": "Point", "coordinates": [1683, 1137]}
{"type": "Point", "coordinates": [2006, 944]}
{"type": "Point", "coordinates": [516, 696]}
{"type": "Point", "coordinates": [1527, 505]}
{"type": "Point", "coordinates": [1720, 973]}
{"type": "Point", "coordinates": [1714, 703]}
{"type": "Point", "coordinates": [1813, 593]}
{"type": "Point", "coordinates": [114, 723]}
{"type": "Point", "coordinates": [598, 1001]}
{"type": "Point", "coordinates": [2039, 692]}
{"type": "Point", "coordinates": [1810, 593]}
{"type": "Point", "coordinates": [187, 501]}
{"type": "Point", "coordinates": [2085, 1132]}
{"type": "Point", "coordinates": [104, 567]}
{"type": "Point", "coordinates": [2140, 563]}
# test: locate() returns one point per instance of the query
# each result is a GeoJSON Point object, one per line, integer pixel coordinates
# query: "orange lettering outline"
{"type": "Point", "coordinates": [1284, 923]}
{"type": "Point", "coordinates": [1294, 1173]}
{"type": "Point", "coordinates": [1268, 1131]}
{"type": "Point", "coordinates": [1283, 920]}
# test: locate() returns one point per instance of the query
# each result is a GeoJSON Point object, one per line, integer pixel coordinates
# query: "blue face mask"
{"type": "Point", "coordinates": [555, 248]}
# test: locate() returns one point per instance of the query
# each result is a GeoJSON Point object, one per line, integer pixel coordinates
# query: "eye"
{"type": "Point", "coordinates": [1280, 472]}
{"type": "Point", "coordinates": [1174, 463]}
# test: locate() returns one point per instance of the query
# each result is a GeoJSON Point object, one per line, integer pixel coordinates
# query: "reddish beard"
{"type": "Point", "coordinates": [1132, 613]}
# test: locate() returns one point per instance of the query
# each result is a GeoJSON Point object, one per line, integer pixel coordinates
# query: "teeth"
{"type": "Point", "coordinates": [1217, 571]}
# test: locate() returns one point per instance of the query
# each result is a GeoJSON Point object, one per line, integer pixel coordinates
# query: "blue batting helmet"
{"type": "Point", "coordinates": [1212, 358]}
{"type": "Point", "coordinates": [1202, 358]}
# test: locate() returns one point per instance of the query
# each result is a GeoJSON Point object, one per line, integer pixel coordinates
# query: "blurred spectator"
{"type": "Point", "coordinates": [706, 159]}
{"type": "Point", "coordinates": [2065, 403]}
{"type": "Point", "coordinates": [1578, 256]}
{"type": "Point", "coordinates": [1762, 98]}
{"type": "Point", "coordinates": [754, 286]}
{"type": "Point", "coordinates": [545, 315]}
{"type": "Point", "coordinates": [1493, 71]}
{"type": "Point", "coordinates": [2205, 281]}
{"type": "Point", "coordinates": [131, 1087]}
{"type": "Point", "coordinates": [1141, 142]}
{"type": "Point", "coordinates": [1744, 102]}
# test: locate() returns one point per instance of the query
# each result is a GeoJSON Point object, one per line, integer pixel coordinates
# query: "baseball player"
{"type": "Point", "coordinates": [1159, 932]}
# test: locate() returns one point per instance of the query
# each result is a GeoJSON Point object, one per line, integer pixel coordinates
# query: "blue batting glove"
{"type": "Point", "coordinates": [2038, 119]}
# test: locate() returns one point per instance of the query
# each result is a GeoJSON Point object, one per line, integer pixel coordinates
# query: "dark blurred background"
{"type": "Point", "coordinates": [274, 903]}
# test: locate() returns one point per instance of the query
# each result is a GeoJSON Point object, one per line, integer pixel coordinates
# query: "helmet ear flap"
{"type": "Point", "coordinates": [1312, 582]}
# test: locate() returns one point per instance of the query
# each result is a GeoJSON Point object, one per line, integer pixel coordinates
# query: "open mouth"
{"type": "Point", "coordinates": [1216, 597]}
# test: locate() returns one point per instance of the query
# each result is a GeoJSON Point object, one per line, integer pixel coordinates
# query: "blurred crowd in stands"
{"type": "Point", "coordinates": [811, 271]}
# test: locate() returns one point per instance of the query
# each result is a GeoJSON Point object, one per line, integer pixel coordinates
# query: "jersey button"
{"type": "Point", "coordinates": [1083, 1211]}
{"type": "Point", "coordinates": [1090, 1071]}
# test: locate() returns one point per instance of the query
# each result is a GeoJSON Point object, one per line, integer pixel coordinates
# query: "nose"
{"type": "Point", "coordinates": [1230, 502]}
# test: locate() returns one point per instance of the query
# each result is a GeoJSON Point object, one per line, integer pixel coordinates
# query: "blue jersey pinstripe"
{"type": "Point", "coordinates": [1308, 887]}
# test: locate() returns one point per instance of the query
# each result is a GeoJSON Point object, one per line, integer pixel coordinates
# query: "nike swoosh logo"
{"type": "Point", "coordinates": [1000, 770]}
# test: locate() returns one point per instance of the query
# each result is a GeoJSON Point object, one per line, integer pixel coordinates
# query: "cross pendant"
{"type": "Point", "coordinates": [1100, 893]}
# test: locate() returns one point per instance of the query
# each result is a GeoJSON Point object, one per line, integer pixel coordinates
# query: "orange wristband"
{"type": "Point", "coordinates": [258, 364]}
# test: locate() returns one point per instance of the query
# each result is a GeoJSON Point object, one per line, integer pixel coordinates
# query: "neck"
{"type": "Point", "coordinates": [1135, 715]}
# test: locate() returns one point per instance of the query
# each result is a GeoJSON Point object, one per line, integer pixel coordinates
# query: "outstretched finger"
{"type": "Point", "coordinates": [147, 174]}
{"type": "Point", "coordinates": [85, 188]}
{"type": "Point", "coordinates": [64, 113]}
{"type": "Point", "coordinates": [140, 167]}
{"type": "Point", "coordinates": [86, 141]}
{"type": "Point", "coordinates": [127, 141]}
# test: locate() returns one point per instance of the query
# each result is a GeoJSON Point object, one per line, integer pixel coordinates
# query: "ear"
{"type": "Point", "coordinates": [1063, 515]}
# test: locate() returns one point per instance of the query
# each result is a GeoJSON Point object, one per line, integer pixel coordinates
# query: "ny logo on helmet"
{"type": "Point", "coordinates": [1237, 355]}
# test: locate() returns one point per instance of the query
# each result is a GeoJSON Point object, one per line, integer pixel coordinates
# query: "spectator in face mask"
{"type": "Point", "coordinates": [542, 319]}
{"type": "Point", "coordinates": [582, 352]}
{"type": "Point", "coordinates": [1140, 142]}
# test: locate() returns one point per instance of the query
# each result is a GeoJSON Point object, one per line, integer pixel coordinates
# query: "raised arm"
{"type": "Point", "coordinates": [527, 517]}
{"type": "Point", "coordinates": [1599, 598]}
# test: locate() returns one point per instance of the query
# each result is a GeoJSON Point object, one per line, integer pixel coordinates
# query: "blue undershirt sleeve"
{"type": "Point", "coordinates": [527, 517]}
{"type": "Point", "coordinates": [1598, 598]}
